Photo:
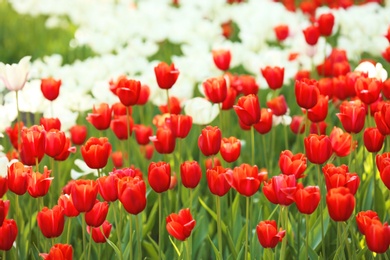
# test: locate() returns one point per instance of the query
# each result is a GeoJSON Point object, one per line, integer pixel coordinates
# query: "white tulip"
{"type": "Point", "coordinates": [201, 110]}
{"type": "Point", "coordinates": [15, 75]}
{"type": "Point", "coordinates": [374, 71]}
{"type": "Point", "coordinates": [3, 166]}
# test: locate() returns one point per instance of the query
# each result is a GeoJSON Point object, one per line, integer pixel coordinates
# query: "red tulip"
{"type": "Point", "coordinates": [352, 115]}
{"type": "Point", "coordinates": [190, 173]}
{"type": "Point", "coordinates": [12, 133]}
{"type": "Point", "coordinates": [55, 142]}
{"type": "Point", "coordinates": [318, 128]}
{"type": "Point", "coordinates": [50, 88]}
{"type": "Point", "coordinates": [325, 86]}
{"type": "Point", "coordinates": [215, 89]}
{"type": "Point", "coordinates": [3, 185]}
{"type": "Point", "coordinates": [96, 216]}
{"type": "Point", "coordinates": [318, 148]}
{"type": "Point", "coordinates": [280, 189]}
{"type": "Point", "coordinates": [4, 206]}
{"type": "Point", "coordinates": [306, 93]}
{"type": "Point", "coordinates": [319, 112]}
{"type": "Point", "coordinates": [159, 176]}
{"type": "Point", "coordinates": [33, 144]}
{"type": "Point", "coordinates": [132, 194]}
{"type": "Point", "coordinates": [164, 141]}
{"type": "Point", "coordinates": [340, 177]}
{"type": "Point", "coordinates": [222, 59]}
{"type": "Point", "coordinates": [180, 225]}
{"type": "Point", "coordinates": [291, 164]}
{"type": "Point", "coordinates": [180, 125]}
{"type": "Point", "coordinates": [265, 123]}
{"type": "Point", "coordinates": [59, 252]}
{"type": "Point", "coordinates": [117, 159]}
{"type": "Point", "coordinates": [96, 152]}
{"type": "Point", "coordinates": [99, 234]}
{"type": "Point", "coordinates": [230, 149]}
{"type": "Point", "coordinates": [245, 84]}
{"type": "Point", "coordinates": [166, 75]}
{"type": "Point", "coordinates": [341, 203]}
{"type": "Point", "coordinates": [108, 188]}
{"type": "Point", "coordinates": [268, 234]}
{"type": "Point", "coordinates": [307, 199]}
{"type": "Point", "coordinates": [244, 179]}
{"type": "Point", "coordinates": [8, 233]}
{"type": "Point", "coordinates": [128, 93]}
{"type": "Point", "coordinates": [382, 163]}
{"type": "Point", "coordinates": [78, 134]}
{"type": "Point", "coordinates": [84, 194]}
{"type": "Point", "coordinates": [173, 108]}
{"type": "Point", "coordinates": [142, 134]}
{"type": "Point", "coordinates": [281, 32]}
{"type": "Point", "coordinates": [118, 109]}
{"type": "Point", "coordinates": [212, 162]}
{"type": "Point", "coordinates": [230, 99]}
{"type": "Point", "coordinates": [65, 201]}
{"type": "Point", "coordinates": [378, 237]}
{"type": "Point", "coordinates": [382, 118]}
{"type": "Point", "coordinates": [386, 88]}
{"type": "Point", "coordinates": [325, 24]}
{"type": "Point", "coordinates": [341, 142]}
{"type": "Point", "coordinates": [278, 105]}
{"type": "Point", "coordinates": [143, 95]}
{"type": "Point", "coordinates": [274, 76]}
{"type": "Point", "coordinates": [368, 89]}
{"type": "Point", "coordinates": [217, 180]}
{"type": "Point", "coordinates": [248, 109]}
{"type": "Point", "coordinates": [311, 33]}
{"type": "Point", "coordinates": [364, 220]}
{"type": "Point", "coordinates": [297, 125]}
{"type": "Point", "coordinates": [51, 221]}
{"type": "Point", "coordinates": [18, 178]}
{"type": "Point", "coordinates": [50, 123]}
{"type": "Point", "coordinates": [209, 141]}
{"type": "Point", "coordinates": [39, 183]}
{"type": "Point", "coordinates": [100, 117]}
{"type": "Point", "coordinates": [373, 139]}
{"type": "Point", "coordinates": [120, 125]}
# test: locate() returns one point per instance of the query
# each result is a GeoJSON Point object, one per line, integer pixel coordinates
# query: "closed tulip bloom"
{"type": "Point", "coordinates": [4, 206]}
{"type": "Point", "coordinates": [265, 123]}
{"type": "Point", "coordinates": [164, 141]}
{"type": "Point", "coordinates": [180, 125]}
{"type": "Point", "coordinates": [352, 115]}
{"type": "Point", "coordinates": [215, 89]}
{"type": "Point", "coordinates": [325, 86]}
{"type": "Point", "coordinates": [55, 142]}
{"type": "Point", "coordinates": [8, 233]}
{"type": "Point", "coordinates": [364, 220]}
{"type": "Point", "coordinates": [96, 216]}
{"type": "Point", "coordinates": [144, 94]}
{"type": "Point", "coordinates": [15, 75]}
{"type": "Point", "coordinates": [306, 93]}
{"type": "Point", "coordinates": [378, 237]}
{"type": "Point", "coordinates": [159, 176]}
{"type": "Point", "coordinates": [190, 173]}
{"type": "Point", "coordinates": [67, 149]}
{"type": "Point", "coordinates": [50, 88]}
{"type": "Point", "coordinates": [209, 141]}
{"type": "Point", "coordinates": [222, 59]}
{"type": "Point", "coordinates": [373, 139]}
{"type": "Point", "coordinates": [307, 198]}
{"type": "Point", "coordinates": [78, 134]}
{"type": "Point", "coordinates": [120, 125]}
{"type": "Point", "coordinates": [382, 163]}
{"type": "Point", "coordinates": [318, 148]}
{"type": "Point", "coordinates": [3, 185]}
{"type": "Point", "coordinates": [84, 193]}
{"type": "Point", "coordinates": [118, 109]}
{"type": "Point", "coordinates": [311, 33]}
{"type": "Point", "coordinates": [50, 123]}
{"type": "Point", "coordinates": [318, 128]}
{"type": "Point", "coordinates": [386, 88]}
{"type": "Point", "coordinates": [39, 183]}
{"type": "Point", "coordinates": [248, 109]}
{"type": "Point", "coordinates": [268, 234]}
{"type": "Point", "coordinates": [117, 159]}
{"type": "Point", "coordinates": [340, 177]}
{"type": "Point", "coordinates": [230, 99]}
{"type": "Point", "coordinates": [132, 194]}
{"type": "Point", "coordinates": [128, 93]}
{"type": "Point", "coordinates": [217, 180]}
{"type": "Point", "coordinates": [291, 164]}
{"type": "Point", "coordinates": [281, 32]}
{"type": "Point", "coordinates": [340, 202]}
{"type": "Point", "coordinates": [96, 152]}
{"type": "Point", "coordinates": [33, 144]}
{"type": "Point", "coordinates": [230, 149]}
{"type": "Point", "coordinates": [341, 142]}
{"type": "Point", "coordinates": [280, 189]}
{"type": "Point", "coordinates": [274, 76]}
{"type": "Point", "coordinates": [297, 125]}
{"type": "Point", "coordinates": [245, 179]}
{"type": "Point", "coordinates": [12, 133]}
{"type": "Point", "coordinates": [173, 108]}
{"type": "Point", "coordinates": [59, 252]}
{"type": "Point", "coordinates": [18, 178]}
{"type": "Point", "coordinates": [142, 134]}
{"type": "Point", "coordinates": [368, 89]}
{"type": "Point", "coordinates": [325, 24]}
{"type": "Point", "coordinates": [51, 221]}
{"type": "Point", "coordinates": [246, 83]}
{"type": "Point", "coordinates": [100, 117]}
{"type": "Point", "coordinates": [65, 201]}
{"type": "Point", "coordinates": [382, 118]}
{"type": "Point", "coordinates": [99, 234]}
{"type": "Point", "coordinates": [319, 112]}
{"type": "Point", "coordinates": [278, 105]}
{"type": "Point", "coordinates": [108, 188]}
{"type": "Point", "coordinates": [166, 75]}
{"type": "Point", "coordinates": [180, 225]}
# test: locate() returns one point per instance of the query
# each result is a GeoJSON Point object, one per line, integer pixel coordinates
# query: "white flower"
{"type": "Point", "coordinates": [85, 170]}
{"type": "Point", "coordinates": [202, 111]}
{"type": "Point", "coordinates": [3, 166]}
{"type": "Point", "coordinates": [15, 76]}
{"type": "Point", "coordinates": [376, 71]}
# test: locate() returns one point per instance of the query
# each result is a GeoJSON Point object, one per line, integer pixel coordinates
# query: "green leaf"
{"type": "Point", "coordinates": [174, 246]}
{"type": "Point", "coordinates": [316, 236]}
{"type": "Point", "coordinates": [151, 221]}
{"type": "Point", "coordinates": [116, 249]}
{"type": "Point", "coordinates": [214, 247]}
{"type": "Point", "coordinates": [150, 249]}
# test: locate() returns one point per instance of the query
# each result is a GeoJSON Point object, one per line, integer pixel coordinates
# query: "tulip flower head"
{"type": "Point", "coordinates": [96, 152]}
{"type": "Point", "coordinates": [166, 75]}
{"type": "Point", "coordinates": [59, 251]}
{"type": "Point", "coordinates": [159, 176]}
{"type": "Point", "coordinates": [268, 234]}
{"type": "Point", "coordinates": [99, 234]}
{"type": "Point", "coordinates": [8, 233]}
{"type": "Point", "coordinates": [180, 225]}
{"type": "Point", "coordinates": [15, 76]}
{"type": "Point", "coordinates": [340, 202]}
{"type": "Point", "coordinates": [50, 88]}
{"type": "Point", "coordinates": [222, 59]}
{"type": "Point", "coordinates": [51, 221]}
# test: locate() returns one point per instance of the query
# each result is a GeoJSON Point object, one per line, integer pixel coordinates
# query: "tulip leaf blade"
{"type": "Point", "coordinates": [175, 247]}
{"type": "Point", "coordinates": [216, 252]}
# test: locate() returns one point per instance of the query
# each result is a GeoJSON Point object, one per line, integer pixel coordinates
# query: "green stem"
{"type": "Point", "coordinates": [168, 102]}
{"type": "Point", "coordinates": [131, 237]}
{"type": "Point", "coordinates": [375, 182]}
{"type": "Point", "coordinates": [160, 224]}
{"type": "Point", "coordinates": [285, 224]}
{"type": "Point", "coordinates": [118, 231]}
{"type": "Point", "coordinates": [285, 135]}
{"type": "Point", "coordinates": [339, 239]}
{"type": "Point", "coordinates": [219, 223]}
{"type": "Point", "coordinates": [307, 235]}
{"type": "Point", "coordinates": [253, 144]}
{"type": "Point", "coordinates": [90, 244]}
{"type": "Point", "coordinates": [68, 232]}
{"type": "Point", "coordinates": [138, 237]}
{"type": "Point", "coordinates": [19, 120]}
{"type": "Point", "coordinates": [83, 226]}
{"type": "Point", "coordinates": [321, 210]}
{"type": "Point", "coordinates": [248, 226]}
{"type": "Point", "coordinates": [265, 153]}
{"type": "Point", "coordinates": [220, 117]}
{"type": "Point", "coordinates": [129, 134]}
{"type": "Point", "coordinates": [191, 198]}
{"type": "Point", "coordinates": [188, 252]}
